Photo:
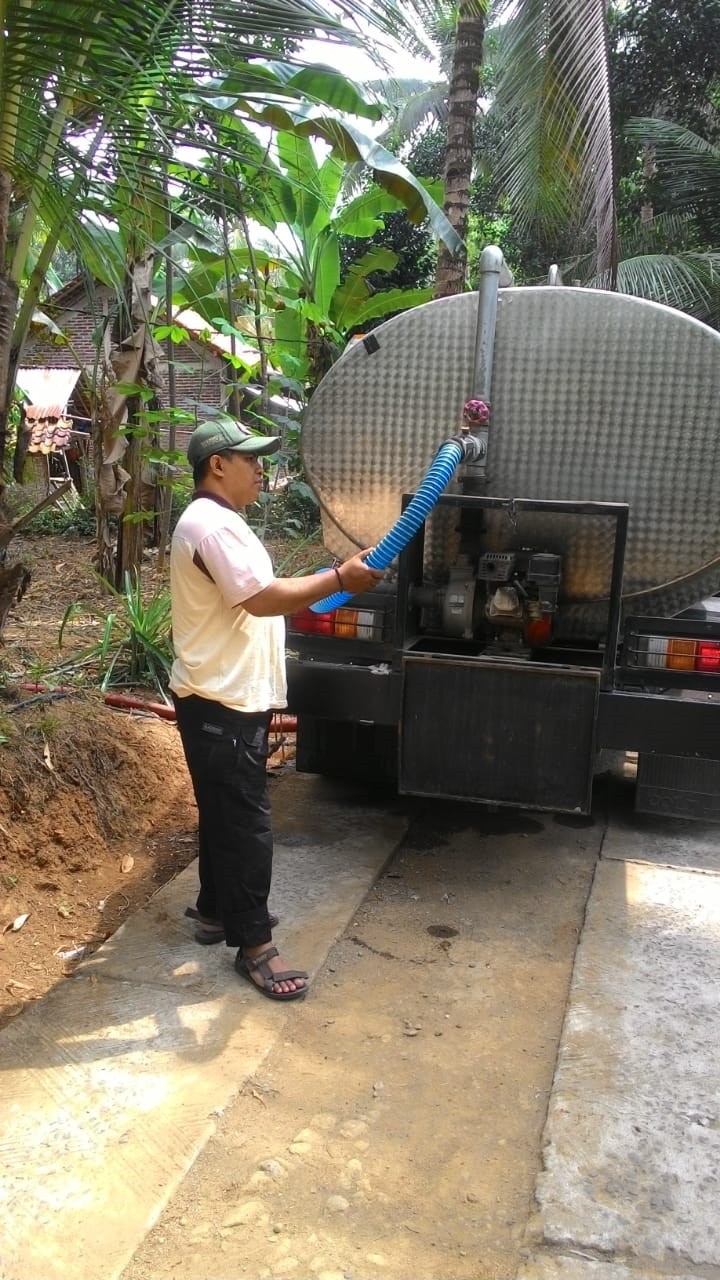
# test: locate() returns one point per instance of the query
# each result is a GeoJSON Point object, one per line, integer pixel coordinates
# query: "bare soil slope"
{"type": "Point", "coordinates": [95, 808]}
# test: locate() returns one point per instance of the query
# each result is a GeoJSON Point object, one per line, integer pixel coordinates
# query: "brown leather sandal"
{"type": "Point", "coordinates": [246, 966]}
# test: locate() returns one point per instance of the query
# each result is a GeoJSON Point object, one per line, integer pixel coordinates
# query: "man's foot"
{"type": "Point", "coordinates": [209, 931]}
{"type": "Point", "coordinates": [263, 967]}
{"type": "Point", "coordinates": [212, 931]}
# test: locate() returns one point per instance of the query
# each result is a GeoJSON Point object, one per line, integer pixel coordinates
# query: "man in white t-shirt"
{"type": "Point", "coordinates": [228, 677]}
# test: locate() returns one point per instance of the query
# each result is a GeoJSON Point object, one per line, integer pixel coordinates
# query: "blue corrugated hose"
{"type": "Point", "coordinates": [381, 557]}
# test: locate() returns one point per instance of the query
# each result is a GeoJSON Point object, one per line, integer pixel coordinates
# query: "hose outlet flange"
{"type": "Point", "coordinates": [474, 446]}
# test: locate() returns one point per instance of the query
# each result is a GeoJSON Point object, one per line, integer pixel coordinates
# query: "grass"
{"type": "Point", "coordinates": [135, 648]}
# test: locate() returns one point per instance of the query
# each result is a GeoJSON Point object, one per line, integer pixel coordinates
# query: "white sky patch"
{"type": "Point", "coordinates": [358, 65]}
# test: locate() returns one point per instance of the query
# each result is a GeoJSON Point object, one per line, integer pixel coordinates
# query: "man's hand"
{"type": "Point", "coordinates": [356, 576]}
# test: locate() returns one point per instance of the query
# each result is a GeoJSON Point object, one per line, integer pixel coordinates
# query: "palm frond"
{"type": "Point", "coordinates": [430, 31]}
{"type": "Point", "coordinates": [671, 233]}
{"type": "Point", "coordinates": [688, 282]}
{"type": "Point", "coordinates": [655, 265]}
{"type": "Point", "coordinates": [410, 104]}
{"type": "Point", "coordinates": [553, 90]}
{"type": "Point", "coordinates": [688, 166]}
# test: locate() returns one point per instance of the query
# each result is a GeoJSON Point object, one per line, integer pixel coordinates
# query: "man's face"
{"type": "Point", "coordinates": [240, 475]}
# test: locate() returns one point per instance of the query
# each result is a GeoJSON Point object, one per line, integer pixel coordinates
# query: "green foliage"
{"type": "Point", "coordinates": [79, 520]}
{"type": "Point", "coordinates": [181, 496]}
{"type": "Point", "coordinates": [561, 153]}
{"type": "Point", "coordinates": [294, 563]}
{"type": "Point", "coordinates": [665, 62]}
{"type": "Point", "coordinates": [293, 513]}
{"type": "Point", "coordinates": [135, 648]}
{"type": "Point", "coordinates": [666, 77]}
{"type": "Point", "coordinates": [175, 332]}
{"type": "Point", "coordinates": [294, 286]}
{"type": "Point", "coordinates": [553, 99]}
{"type": "Point", "coordinates": [409, 266]}
{"type": "Point", "coordinates": [97, 100]}
{"type": "Point", "coordinates": [288, 509]}
{"type": "Point", "coordinates": [48, 724]}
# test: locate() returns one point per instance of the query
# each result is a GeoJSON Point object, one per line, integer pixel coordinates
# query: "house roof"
{"type": "Point", "coordinates": [48, 389]}
{"type": "Point", "coordinates": [199, 329]}
{"type": "Point", "coordinates": [79, 289]}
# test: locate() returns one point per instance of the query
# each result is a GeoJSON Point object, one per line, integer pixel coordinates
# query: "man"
{"type": "Point", "coordinates": [228, 677]}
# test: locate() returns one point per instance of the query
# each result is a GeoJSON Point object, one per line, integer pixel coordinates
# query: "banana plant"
{"type": "Point", "coordinates": [81, 81]}
{"type": "Point", "coordinates": [93, 104]}
{"type": "Point", "coordinates": [309, 306]}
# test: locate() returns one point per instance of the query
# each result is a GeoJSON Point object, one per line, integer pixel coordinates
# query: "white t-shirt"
{"type": "Point", "coordinates": [222, 652]}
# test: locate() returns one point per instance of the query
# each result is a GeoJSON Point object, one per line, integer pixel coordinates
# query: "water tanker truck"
{"type": "Point", "coordinates": [538, 470]}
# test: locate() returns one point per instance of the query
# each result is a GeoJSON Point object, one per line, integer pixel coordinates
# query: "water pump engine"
{"type": "Point", "coordinates": [511, 596]}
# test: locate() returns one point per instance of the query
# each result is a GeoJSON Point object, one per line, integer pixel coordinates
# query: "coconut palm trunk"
{"type": "Point", "coordinates": [8, 304]}
{"type": "Point", "coordinates": [462, 113]}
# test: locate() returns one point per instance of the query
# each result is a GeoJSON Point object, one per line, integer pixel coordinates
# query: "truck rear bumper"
{"type": "Point", "coordinates": [329, 691]}
{"type": "Point", "coordinates": [676, 725]}
{"type": "Point", "coordinates": [667, 724]}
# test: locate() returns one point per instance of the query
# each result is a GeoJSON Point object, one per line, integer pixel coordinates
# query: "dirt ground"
{"type": "Point", "coordinates": [96, 810]}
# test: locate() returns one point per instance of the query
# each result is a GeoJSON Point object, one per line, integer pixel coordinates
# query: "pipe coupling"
{"type": "Point", "coordinates": [474, 447]}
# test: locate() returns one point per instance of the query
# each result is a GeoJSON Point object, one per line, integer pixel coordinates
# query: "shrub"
{"type": "Point", "coordinates": [78, 520]}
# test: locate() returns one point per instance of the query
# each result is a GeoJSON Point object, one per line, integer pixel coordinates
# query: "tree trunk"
{"type": "Point", "coordinates": [131, 532]}
{"type": "Point", "coordinates": [133, 359]}
{"type": "Point", "coordinates": [14, 582]}
{"type": "Point", "coordinates": [462, 112]}
{"type": "Point", "coordinates": [164, 504]}
{"type": "Point", "coordinates": [8, 304]}
{"type": "Point", "coordinates": [603, 162]}
{"type": "Point", "coordinates": [15, 578]}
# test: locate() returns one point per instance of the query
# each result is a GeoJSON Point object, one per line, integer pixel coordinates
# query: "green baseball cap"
{"type": "Point", "coordinates": [227, 433]}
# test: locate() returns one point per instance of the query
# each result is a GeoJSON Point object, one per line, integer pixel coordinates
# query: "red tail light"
{"type": "Point", "coordinates": [707, 657]}
{"type": "Point", "coordinates": [681, 654]}
{"type": "Point", "coordinates": [351, 624]}
{"type": "Point", "coordinates": [312, 624]}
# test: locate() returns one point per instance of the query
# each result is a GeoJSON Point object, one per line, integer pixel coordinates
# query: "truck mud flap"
{"type": "Point", "coordinates": [498, 732]}
{"type": "Point", "coordinates": [678, 787]}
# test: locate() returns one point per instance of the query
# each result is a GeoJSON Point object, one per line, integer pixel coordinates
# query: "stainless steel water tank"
{"type": "Point", "coordinates": [595, 396]}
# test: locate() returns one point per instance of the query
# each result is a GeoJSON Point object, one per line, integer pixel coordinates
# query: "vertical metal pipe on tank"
{"type": "Point", "coordinates": [491, 264]}
{"type": "Point", "coordinates": [491, 269]}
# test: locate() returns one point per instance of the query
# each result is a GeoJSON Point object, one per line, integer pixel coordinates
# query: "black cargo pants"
{"type": "Point", "coordinates": [226, 753]}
